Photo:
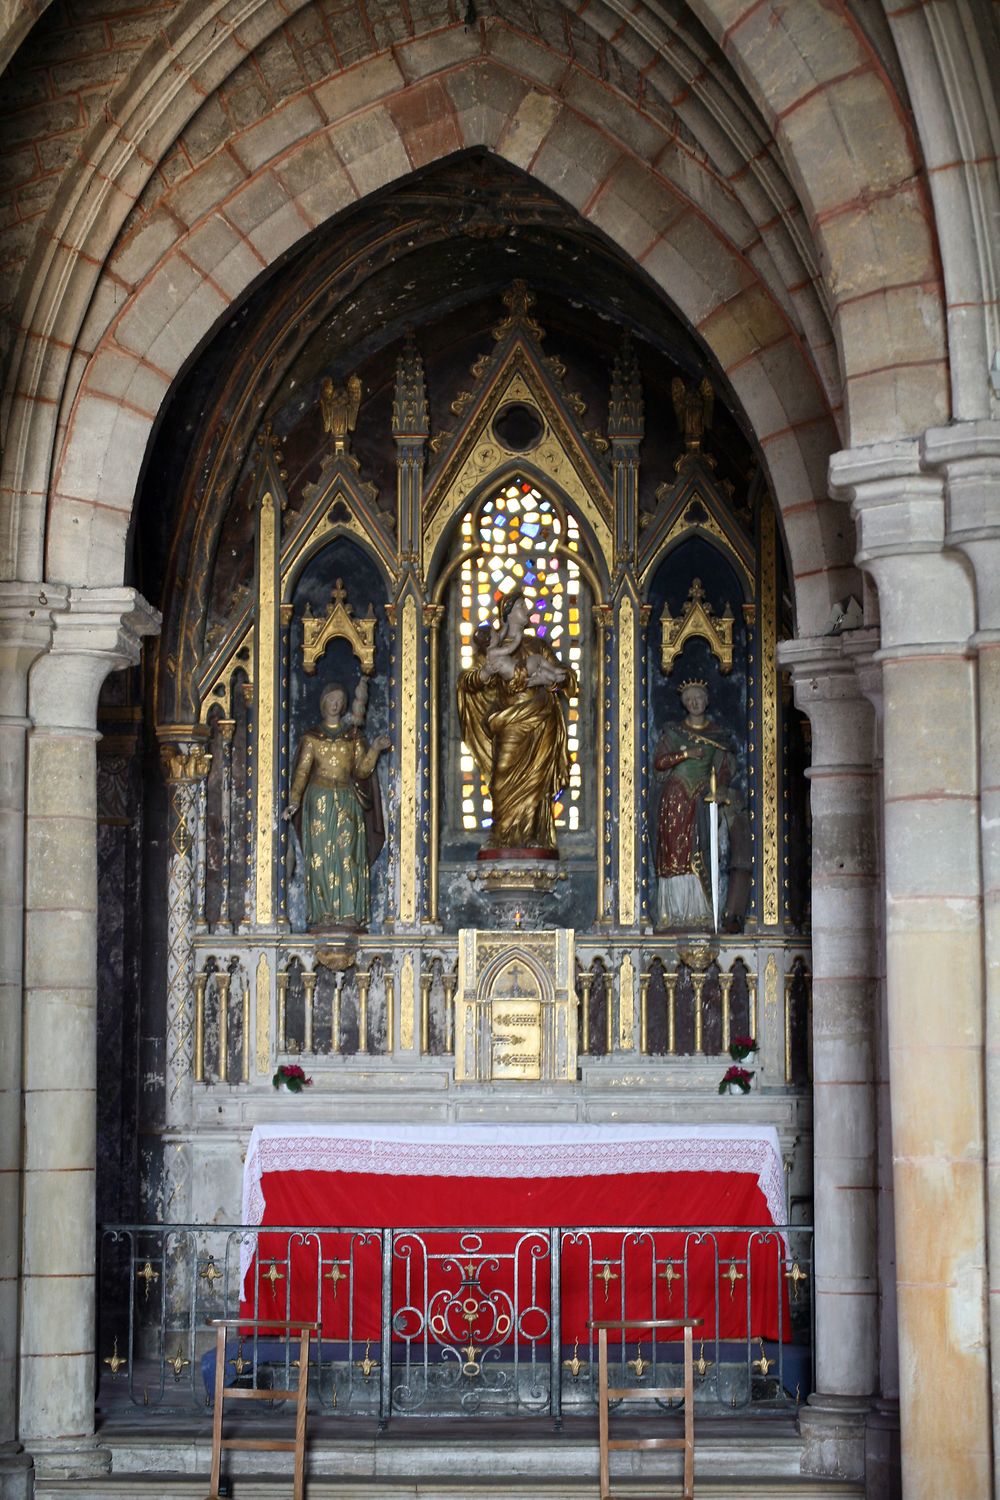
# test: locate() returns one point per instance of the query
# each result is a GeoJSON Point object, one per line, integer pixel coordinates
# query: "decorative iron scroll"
{"type": "Point", "coordinates": [452, 1322]}
{"type": "Point", "coordinates": [474, 1320]}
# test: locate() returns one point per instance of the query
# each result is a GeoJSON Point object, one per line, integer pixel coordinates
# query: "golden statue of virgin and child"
{"type": "Point", "coordinates": [510, 706]}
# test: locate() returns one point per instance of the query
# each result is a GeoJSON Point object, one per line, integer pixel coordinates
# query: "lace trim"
{"type": "Point", "coordinates": [464, 1159]}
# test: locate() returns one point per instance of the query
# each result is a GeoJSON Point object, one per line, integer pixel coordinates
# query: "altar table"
{"type": "Point", "coordinates": [519, 1178]}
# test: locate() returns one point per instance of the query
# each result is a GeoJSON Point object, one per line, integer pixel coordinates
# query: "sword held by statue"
{"type": "Point", "coordinates": [715, 799]}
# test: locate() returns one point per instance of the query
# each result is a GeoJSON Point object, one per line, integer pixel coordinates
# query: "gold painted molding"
{"type": "Point", "coordinates": [410, 692]}
{"type": "Point", "coordinates": [407, 1004]}
{"type": "Point", "coordinates": [770, 790]}
{"type": "Point", "coordinates": [626, 764]}
{"type": "Point", "coordinates": [626, 1004]}
{"type": "Point", "coordinates": [263, 1016]}
{"type": "Point", "coordinates": [264, 779]}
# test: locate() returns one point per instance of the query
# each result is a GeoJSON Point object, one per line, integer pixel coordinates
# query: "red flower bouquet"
{"type": "Point", "coordinates": [736, 1078]}
{"type": "Point", "coordinates": [741, 1047]}
{"type": "Point", "coordinates": [292, 1077]}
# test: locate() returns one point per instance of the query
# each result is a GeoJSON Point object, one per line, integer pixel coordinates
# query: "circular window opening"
{"type": "Point", "coordinates": [518, 427]}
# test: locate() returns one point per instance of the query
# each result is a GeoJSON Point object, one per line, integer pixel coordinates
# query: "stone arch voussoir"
{"type": "Point", "coordinates": [318, 168]}
{"type": "Point", "coordinates": [847, 145]}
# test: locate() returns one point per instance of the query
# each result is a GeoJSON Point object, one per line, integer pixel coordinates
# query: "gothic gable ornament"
{"type": "Point", "coordinates": [517, 409]}
{"type": "Point", "coordinates": [317, 633]}
{"type": "Point", "coordinates": [697, 619]}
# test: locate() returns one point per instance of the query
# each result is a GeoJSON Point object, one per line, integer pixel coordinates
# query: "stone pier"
{"type": "Point", "coordinates": [842, 788]}
{"type": "Point", "coordinates": [25, 632]}
{"type": "Point", "coordinates": [934, 959]}
{"type": "Point", "coordinates": [968, 457]}
{"type": "Point", "coordinates": [97, 632]}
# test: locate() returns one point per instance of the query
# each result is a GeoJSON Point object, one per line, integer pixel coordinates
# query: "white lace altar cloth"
{"type": "Point", "coordinates": [508, 1151]}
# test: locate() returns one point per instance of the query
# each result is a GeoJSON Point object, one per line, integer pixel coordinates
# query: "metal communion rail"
{"type": "Point", "coordinates": [447, 1322]}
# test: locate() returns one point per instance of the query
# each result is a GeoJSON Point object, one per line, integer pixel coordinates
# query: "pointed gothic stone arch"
{"type": "Point", "coordinates": [180, 301]}
{"type": "Point", "coordinates": [197, 247]}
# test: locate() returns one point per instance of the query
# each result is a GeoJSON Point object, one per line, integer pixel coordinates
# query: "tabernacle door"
{"type": "Point", "coordinates": [516, 1006]}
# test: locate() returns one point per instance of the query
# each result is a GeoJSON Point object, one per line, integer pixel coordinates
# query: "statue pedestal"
{"type": "Point", "coordinates": [517, 885]}
{"type": "Point", "coordinates": [515, 1006]}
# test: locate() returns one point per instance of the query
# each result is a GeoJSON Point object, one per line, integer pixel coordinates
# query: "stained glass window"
{"type": "Point", "coordinates": [519, 530]}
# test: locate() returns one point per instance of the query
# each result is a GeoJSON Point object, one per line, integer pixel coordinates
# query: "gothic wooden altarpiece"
{"type": "Point", "coordinates": [668, 923]}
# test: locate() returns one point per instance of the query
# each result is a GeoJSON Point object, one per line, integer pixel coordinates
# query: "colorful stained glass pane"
{"type": "Point", "coordinates": [519, 519]}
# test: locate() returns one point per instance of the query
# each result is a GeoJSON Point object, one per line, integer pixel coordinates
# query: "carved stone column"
{"type": "Point", "coordinates": [968, 455]}
{"type": "Point", "coordinates": [25, 632]}
{"type": "Point", "coordinates": [934, 967]}
{"type": "Point", "coordinates": [844, 890]}
{"type": "Point", "coordinates": [882, 1478]}
{"type": "Point", "coordinates": [626, 425]}
{"type": "Point", "coordinates": [97, 633]}
{"type": "Point", "coordinates": [185, 764]}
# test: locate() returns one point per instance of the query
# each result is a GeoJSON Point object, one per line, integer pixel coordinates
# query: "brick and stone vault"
{"type": "Point", "coordinates": [800, 199]}
{"type": "Point", "coordinates": [160, 160]}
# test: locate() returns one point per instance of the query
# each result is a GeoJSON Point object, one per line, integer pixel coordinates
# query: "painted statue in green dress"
{"type": "Point", "coordinates": [335, 786]}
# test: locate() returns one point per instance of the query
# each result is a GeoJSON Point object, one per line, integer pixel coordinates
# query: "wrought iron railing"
{"type": "Point", "coordinates": [452, 1321]}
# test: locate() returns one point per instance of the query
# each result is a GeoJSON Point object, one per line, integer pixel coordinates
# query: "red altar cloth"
{"type": "Point", "coordinates": [394, 1196]}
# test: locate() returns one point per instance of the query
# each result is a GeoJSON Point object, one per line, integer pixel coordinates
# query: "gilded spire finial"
{"type": "Point", "coordinates": [625, 410]}
{"type": "Point", "coordinates": [409, 402]}
{"type": "Point", "coordinates": [519, 300]}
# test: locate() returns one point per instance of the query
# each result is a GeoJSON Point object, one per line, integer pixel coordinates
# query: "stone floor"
{"type": "Point", "coordinates": [443, 1460]}
{"type": "Point", "coordinates": [486, 1486]}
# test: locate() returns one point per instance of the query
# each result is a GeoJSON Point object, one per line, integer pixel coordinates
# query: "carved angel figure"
{"type": "Point", "coordinates": [693, 406]}
{"type": "Point", "coordinates": [185, 765]}
{"type": "Point", "coordinates": [339, 405]}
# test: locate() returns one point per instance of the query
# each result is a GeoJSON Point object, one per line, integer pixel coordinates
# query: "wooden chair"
{"type": "Point", "coordinates": [241, 1393]}
{"type": "Point", "coordinates": [606, 1393]}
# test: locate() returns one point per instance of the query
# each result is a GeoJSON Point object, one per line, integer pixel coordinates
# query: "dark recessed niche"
{"type": "Point", "coordinates": [517, 427]}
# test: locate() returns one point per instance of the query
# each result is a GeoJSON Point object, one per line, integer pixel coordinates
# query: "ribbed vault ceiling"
{"type": "Point", "coordinates": [703, 130]}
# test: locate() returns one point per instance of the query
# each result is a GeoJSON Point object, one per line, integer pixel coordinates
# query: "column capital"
{"type": "Point", "coordinates": [825, 666]}
{"type": "Point", "coordinates": [827, 679]}
{"type": "Point", "coordinates": [925, 593]}
{"type": "Point", "coordinates": [976, 444]}
{"type": "Point", "coordinates": [868, 669]}
{"type": "Point", "coordinates": [898, 506]}
{"type": "Point", "coordinates": [97, 631]}
{"type": "Point", "coordinates": [26, 611]}
{"type": "Point", "coordinates": [968, 456]}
